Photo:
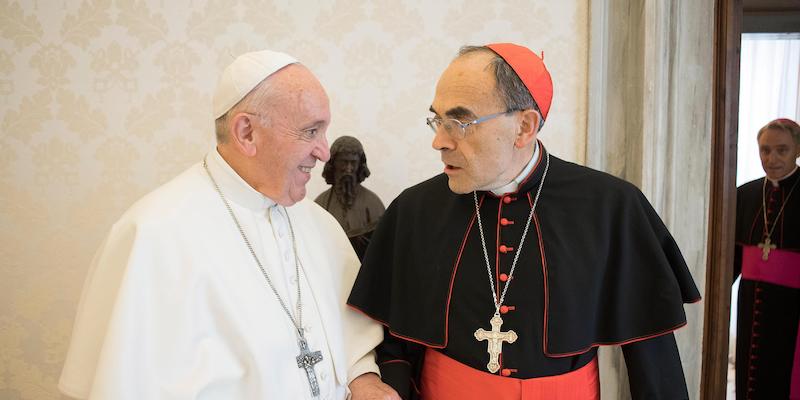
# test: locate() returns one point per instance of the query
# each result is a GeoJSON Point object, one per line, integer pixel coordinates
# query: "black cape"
{"type": "Point", "coordinates": [598, 267]}
{"type": "Point", "coordinates": [767, 314]}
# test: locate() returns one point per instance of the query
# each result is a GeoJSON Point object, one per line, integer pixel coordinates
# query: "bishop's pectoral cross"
{"type": "Point", "coordinates": [495, 339]}
{"type": "Point", "coordinates": [306, 360]}
{"type": "Point", "coordinates": [766, 247]}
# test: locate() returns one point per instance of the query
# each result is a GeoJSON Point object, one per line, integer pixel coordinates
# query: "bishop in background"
{"type": "Point", "coordinates": [768, 259]}
{"type": "Point", "coordinates": [225, 282]}
{"type": "Point", "coordinates": [356, 208]}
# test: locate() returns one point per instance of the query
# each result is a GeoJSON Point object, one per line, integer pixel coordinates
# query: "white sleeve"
{"type": "Point", "coordinates": [137, 330]}
{"type": "Point", "coordinates": [361, 334]}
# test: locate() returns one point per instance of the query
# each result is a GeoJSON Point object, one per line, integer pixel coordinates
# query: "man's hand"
{"type": "Point", "coordinates": [370, 387]}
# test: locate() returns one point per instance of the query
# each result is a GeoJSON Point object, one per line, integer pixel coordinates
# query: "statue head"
{"type": "Point", "coordinates": [346, 168]}
{"type": "Point", "coordinates": [346, 149]}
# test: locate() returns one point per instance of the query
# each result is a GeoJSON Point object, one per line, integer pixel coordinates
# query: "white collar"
{"type": "Point", "coordinates": [776, 183]}
{"type": "Point", "coordinates": [233, 186]}
{"type": "Point", "coordinates": [514, 184]}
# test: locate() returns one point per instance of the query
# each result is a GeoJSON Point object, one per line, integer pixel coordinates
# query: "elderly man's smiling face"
{"type": "Point", "coordinates": [778, 153]}
{"type": "Point", "coordinates": [293, 136]}
{"type": "Point", "coordinates": [483, 159]}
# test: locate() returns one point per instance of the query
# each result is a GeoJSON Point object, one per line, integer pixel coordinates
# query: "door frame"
{"type": "Point", "coordinates": [728, 15]}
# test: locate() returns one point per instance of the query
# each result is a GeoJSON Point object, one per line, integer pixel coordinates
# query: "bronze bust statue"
{"type": "Point", "coordinates": [356, 208]}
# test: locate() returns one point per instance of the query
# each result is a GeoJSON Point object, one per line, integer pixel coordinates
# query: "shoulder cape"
{"type": "Point", "coordinates": [613, 273]}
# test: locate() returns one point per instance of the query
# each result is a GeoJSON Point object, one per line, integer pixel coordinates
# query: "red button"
{"type": "Point", "coordinates": [505, 249]}
{"type": "Point", "coordinates": [507, 371]}
{"type": "Point", "coordinates": [505, 222]}
{"type": "Point", "coordinates": [503, 278]}
{"type": "Point", "coordinates": [507, 199]}
{"type": "Point", "coordinates": [506, 309]}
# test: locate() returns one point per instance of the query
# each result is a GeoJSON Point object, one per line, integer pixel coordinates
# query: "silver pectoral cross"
{"type": "Point", "coordinates": [306, 360]}
{"type": "Point", "coordinates": [495, 339]}
{"type": "Point", "coordinates": [766, 247]}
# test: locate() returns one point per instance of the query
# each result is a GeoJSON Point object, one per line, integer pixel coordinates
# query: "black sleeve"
{"type": "Point", "coordinates": [654, 369]}
{"type": "Point", "coordinates": [400, 363]}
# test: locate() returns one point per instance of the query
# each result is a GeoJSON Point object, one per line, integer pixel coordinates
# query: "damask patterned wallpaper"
{"type": "Point", "coordinates": [104, 100]}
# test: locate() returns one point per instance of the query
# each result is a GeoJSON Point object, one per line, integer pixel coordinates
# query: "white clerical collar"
{"type": "Point", "coordinates": [777, 182]}
{"type": "Point", "coordinates": [233, 186]}
{"type": "Point", "coordinates": [514, 184]}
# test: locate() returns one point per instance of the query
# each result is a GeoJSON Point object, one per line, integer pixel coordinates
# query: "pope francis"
{"type": "Point", "coordinates": [226, 283]}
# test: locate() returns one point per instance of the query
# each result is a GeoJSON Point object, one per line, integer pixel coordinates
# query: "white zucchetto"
{"type": "Point", "coordinates": [244, 74]}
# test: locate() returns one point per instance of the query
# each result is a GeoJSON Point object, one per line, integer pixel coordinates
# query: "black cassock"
{"type": "Point", "coordinates": [766, 333]}
{"type": "Point", "coordinates": [598, 267]}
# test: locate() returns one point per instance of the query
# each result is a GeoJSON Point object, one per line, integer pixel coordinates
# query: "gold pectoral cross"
{"type": "Point", "coordinates": [495, 339]}
{"type": "Point", "coordinates": [766, 247]}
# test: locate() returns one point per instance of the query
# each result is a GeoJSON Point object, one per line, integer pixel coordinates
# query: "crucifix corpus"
{"type": "Point", "coordinates": [306, 360]}
{"type": "Point", "coordinates": [495, 339]}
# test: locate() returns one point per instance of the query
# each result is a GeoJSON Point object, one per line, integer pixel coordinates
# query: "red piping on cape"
{"type": "Point", "coordinates": [497, 230]}
{"type": "Point", "coordinates": [384, 323]}
{"type": "Point", "coordinates": [396, 361]}
{"type": "Point", "coordinates": [453, 276]}
{"type": "Point", "coordinates": [449, 295]}
{"type": "Point", "coordinates": [497, 251]}
{"type": "Point", "coordinates": [620, 343]}
{"type": "Point", "coordinates": [545, 333]}
{"type": "Point", "coordinates": [393, 333]}
{"type": "Point", "coordinates": [497, 261]}
{"type": "Point", "coordinates": [546, 287]}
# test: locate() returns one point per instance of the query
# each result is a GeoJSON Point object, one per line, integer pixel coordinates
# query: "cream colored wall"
{"type": "Point", "coordinates": [103, 101]}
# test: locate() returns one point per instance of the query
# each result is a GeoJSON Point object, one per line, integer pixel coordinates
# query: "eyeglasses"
{"type": "Point", "coordinates": [456, 128]}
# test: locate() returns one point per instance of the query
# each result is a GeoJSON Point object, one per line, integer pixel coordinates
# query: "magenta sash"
{"type": "Point", "coordinates": [782, 268]}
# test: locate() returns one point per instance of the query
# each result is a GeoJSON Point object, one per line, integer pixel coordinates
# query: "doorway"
{"type": "Point", "coordinates": [732, 19]}
{"type": "Point", "coordinates": [768, 89]}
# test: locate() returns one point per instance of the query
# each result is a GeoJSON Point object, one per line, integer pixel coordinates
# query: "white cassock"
{"type": "Point", "coordinates": [175, 307]}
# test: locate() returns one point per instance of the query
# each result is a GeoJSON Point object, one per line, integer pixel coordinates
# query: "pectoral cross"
{"type": "Point", "coordinates": [495, 339]}
{"type": "Point", "coordinates": [306, 360]}
{"type": "Point", "coordinates": [766, 247]}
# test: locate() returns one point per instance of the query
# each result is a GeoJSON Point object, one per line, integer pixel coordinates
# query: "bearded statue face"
{"type": "Point", "coordinates": [346, 166]}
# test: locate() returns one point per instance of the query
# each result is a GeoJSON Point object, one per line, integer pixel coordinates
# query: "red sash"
{"type": "Point", "coordinates": [782, 268]}
{"type": "Point", "coordinates": [446, 379]}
